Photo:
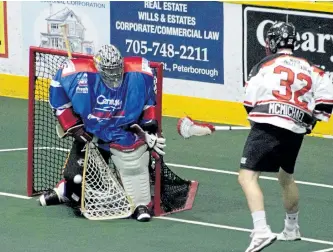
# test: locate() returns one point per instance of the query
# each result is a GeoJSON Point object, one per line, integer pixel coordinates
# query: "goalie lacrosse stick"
{"type": "Point", "coordinates": [64, 28]}
{"type": "Point", "coordinates": [187, 128]}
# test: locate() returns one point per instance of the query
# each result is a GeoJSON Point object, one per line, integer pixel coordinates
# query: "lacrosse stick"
{"type": "Point", "coordinates": [187, 127]}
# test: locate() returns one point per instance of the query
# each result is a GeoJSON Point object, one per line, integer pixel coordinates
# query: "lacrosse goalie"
{"type": "Point", "coordinates": [108, 100]}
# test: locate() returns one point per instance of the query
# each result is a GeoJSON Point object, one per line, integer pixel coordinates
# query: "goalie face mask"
{"type": "Point", "coordinates": [109, 63]}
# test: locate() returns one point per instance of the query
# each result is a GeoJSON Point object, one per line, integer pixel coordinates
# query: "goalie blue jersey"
{"type": "Point", "coordinates": [106, 112]}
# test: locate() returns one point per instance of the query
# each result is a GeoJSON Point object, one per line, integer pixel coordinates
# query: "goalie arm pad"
{"type": "Point", "coordinates": [72, 125]}
{"type": "Point", "coordinates": [67, 119]}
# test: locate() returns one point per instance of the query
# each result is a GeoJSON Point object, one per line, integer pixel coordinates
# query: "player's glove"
{"type": "Point", "coordinates": [153, 141]}
{"type": "Point", "coordinates": [79, 133]}
{"type": "Point", "coordinates": [310, 127]}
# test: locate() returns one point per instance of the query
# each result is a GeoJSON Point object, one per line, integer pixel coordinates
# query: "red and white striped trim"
{"type": "Point", "coordinates": [247, 103]}
{"type": "Point", "coordinates": [257, 114]}
{"type": "Point", "coordinates": [324, 101]}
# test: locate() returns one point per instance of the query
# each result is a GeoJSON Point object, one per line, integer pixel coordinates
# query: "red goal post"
{"type": "Point", "coordinates": [47, 153]}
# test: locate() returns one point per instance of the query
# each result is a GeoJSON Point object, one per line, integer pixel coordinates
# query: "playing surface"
{"type": "Point", "coordinates": [219, 220]}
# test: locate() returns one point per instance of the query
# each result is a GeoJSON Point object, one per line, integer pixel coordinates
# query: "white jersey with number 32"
{"type": "Point", "coordinates": [288, 92]}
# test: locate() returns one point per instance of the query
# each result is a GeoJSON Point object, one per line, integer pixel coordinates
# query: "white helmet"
{"type": "Point", "coordinates": [109, 63]}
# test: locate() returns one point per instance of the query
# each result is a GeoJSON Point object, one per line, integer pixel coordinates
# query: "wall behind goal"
{"type": "Point", "coordinates": [207, 49]}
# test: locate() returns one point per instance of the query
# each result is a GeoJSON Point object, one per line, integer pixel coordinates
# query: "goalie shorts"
{"type": "Point", "coordinates": [269, 148]}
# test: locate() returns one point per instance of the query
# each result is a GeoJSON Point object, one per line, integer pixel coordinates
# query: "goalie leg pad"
{"type": "Point", "coordinates": [74, 162]}
{"type": "Point", "coordinates": [134, 173]}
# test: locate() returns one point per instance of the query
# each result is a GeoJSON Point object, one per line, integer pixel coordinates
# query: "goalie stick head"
{"type": "Point", "coordinates": [186, 127]}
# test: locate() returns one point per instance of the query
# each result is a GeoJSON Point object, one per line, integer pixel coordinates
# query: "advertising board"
{"type": "Point", "coordinates": [189, 43]}
{"type": "Point", "coordinates": [314, 35]}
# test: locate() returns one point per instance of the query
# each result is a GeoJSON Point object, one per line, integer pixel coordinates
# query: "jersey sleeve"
{"type": "Point", "coordinates": [61, 103]}
{"type": "Point", "coordinates": [323, 96]}
{"type": "Point", "coordinates": [58, 98]}
{"type": "Point", "coordinates": [251, 89]}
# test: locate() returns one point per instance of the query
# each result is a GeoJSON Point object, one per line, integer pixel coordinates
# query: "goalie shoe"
{"type": "Point", "coordinates": [53, 196]}
{"type": "Point", "coordinates": [50, 198]}
{"type": "Point", "coordinates": [142, 214]}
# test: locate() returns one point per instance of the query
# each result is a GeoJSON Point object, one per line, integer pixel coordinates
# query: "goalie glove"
{"type": "Point", "coordinates": [153, 141]}
{"type": "Point", "coordinates": [79, 133]}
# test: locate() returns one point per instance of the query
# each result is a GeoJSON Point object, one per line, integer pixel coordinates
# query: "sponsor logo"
{"type": "Point", "coordinates": [113, 103]}
{"type": "Point", "coordinates": [314, 35]}
{"type": "Point", "coordinates": [107, 109]}
{"type": "Point", "coordinates": [83, 79]}
{"type": "Point", "coordinates": [105, 115]}
{"type": "Point", "coordinates": [82, 90]}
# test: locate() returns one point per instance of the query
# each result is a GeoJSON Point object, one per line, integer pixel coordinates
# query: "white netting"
{"type": "Point", "coordinates": [103, 197]}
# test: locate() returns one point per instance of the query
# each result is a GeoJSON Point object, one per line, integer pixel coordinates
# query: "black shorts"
{"type": "Point", "coordinates": [269, 148]}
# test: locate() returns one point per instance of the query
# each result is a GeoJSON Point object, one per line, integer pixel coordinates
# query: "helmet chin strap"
{"type": "Point", "coordinates": [268, 51]}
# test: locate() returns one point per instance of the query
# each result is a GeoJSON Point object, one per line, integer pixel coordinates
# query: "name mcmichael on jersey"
{"type": "Point", "coordinates": [286, 110]}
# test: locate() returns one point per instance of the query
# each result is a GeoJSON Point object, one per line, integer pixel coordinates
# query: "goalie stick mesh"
{"type": "Point", "coordinates": [47, 153]}
{"type": "Point", "coordinates": [104, 197]}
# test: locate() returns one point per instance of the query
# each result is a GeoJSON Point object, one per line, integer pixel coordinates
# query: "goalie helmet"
{"type": "Point", "coordinates": [109, 63]}
{"type": "Point", "coordinates": [280, 35]}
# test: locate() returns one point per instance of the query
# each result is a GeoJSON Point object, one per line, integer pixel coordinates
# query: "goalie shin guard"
{"type": "Point", "coordinates": [134, 173]}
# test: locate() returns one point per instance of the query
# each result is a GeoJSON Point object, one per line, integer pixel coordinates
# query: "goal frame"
{"type": "Point", "coordinates": [31, 119]}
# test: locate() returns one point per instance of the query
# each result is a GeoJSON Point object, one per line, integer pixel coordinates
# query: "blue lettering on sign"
{"type": "Point", "coordinates": [186, 36]}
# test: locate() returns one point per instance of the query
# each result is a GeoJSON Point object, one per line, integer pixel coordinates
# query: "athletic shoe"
{"type": "Point", "coordinates": [261, 239]}
{"type": "Point", "coordinates": [141, 213]}
{"type": "Point", "coordinates": [50, 198]}
{"type": "Point", "coordinates": [287, 235]}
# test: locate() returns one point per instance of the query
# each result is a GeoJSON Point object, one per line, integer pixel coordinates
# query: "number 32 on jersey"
{"type": "Point", "coordinates": [288, 82]}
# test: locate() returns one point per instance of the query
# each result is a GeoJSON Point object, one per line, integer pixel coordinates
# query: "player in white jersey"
{"type": "Point", "coordinates": [285, 97]}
